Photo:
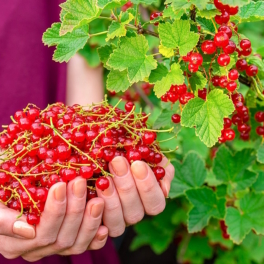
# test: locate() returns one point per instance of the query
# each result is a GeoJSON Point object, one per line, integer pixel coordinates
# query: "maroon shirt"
{"type": "Point", "coordinates": [28, 75]}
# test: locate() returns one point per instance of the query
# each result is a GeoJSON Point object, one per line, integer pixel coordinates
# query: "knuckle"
{"type": "Point", "coordinates": [117, 232]}
{"type": "Point", "coordinates": [126, 188]}
{"type": "Point", "coordinates": [155, 210]}
{"type": "Point", "coordinates": [148, 188]}
{"type": "Point", "coordinates": [133, 219]}
{"type": "Point", "coordinates": [46, 241]}
{"type": "Point", "coordinates": [76, 211]}
{"type": "Point", "coordinates": [63, 244]}
{"type": "Point", "coordinates": [77, 250]}
{"type": "Point", "coordinates": [112, 206]}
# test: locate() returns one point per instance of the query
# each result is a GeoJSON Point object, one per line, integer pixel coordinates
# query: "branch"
{"type": "Point", "coordinates": [193, 13]}
{"type": "Point", "coordinates": [245, 80]}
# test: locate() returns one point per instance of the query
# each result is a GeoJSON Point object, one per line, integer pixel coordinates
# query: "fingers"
{"type": "Point", "coordinates": [132, 207]}
{"type": "Point", "coordinates": [150, 192]}
{"type": "Point", "coordinates": [165, 183]}
{"type": "Point", "coordinates": [91, 221]}
{"type": "Point", "coordinates": [76, 201]}
{"type": "Point", "coordinates": [13, 227]}
{"type": "Point", "coordinates": [99, 239]}
{"type": "Point", "coordinates": [113, 215]}
{"type": "Point", "coordinates": [50, 223]}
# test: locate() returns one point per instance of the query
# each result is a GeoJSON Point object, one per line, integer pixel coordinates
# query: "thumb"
{"type": "Point", "coordinates": [13, 227]}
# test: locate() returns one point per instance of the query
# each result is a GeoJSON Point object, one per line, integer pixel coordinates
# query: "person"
{"type": "Point", "coordinates": [70, 231]}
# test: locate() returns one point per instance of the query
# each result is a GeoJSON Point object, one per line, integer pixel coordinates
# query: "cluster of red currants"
{"type": "Point", "coordinates": [126, 6]}
{"type": "Point", "coordinates": [224, 230]}
{"type": "Point", "coordinates": [41, 148]}
{"type": "Point", "coordinates": [259, 117]}
{"type": "Point", "coordinates": [155, 15]}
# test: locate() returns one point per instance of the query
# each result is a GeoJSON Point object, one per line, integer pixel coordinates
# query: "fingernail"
{"type": "Point", "coordinates": [79, 188]}
{"type": "Point", "coordinates": [119, 166]}
{"type": "Point", "coordinates": [102, 237]}
{"type": "Point", "coordinates": [60, 192]}
{"type": "Point", "coordinates": [110, 190]}
{"type": "Point", "coordinates": [139, 170]}
{"type": "Point", "coordinates": [97, 210]}
{"type": "Point", "coordinates": [23, 229]}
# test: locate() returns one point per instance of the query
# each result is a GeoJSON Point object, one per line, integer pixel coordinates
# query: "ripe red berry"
{"type": "Point", "coordinates": [227, 123]}
{"type": "Point", "coordinates": [159, 172]}
{"type": "Point", "coordinates": [148, 137]}
{"type": "Point", "coordinates": [133, 155]}
{"type": "Point", "coordinates": [18, 115]}
{"type": "Point", "coordinates": [37, 129]}
{"type": "Point", "coordinates": [86, 172]}
{"type": "Point", "coordinates": [216, 80]}
{"type": "Point", "coordinates": [155, 15]}
{"type": "Point", "coordinates": [4, 178]}
{"type": "Point", "coordinates": [227, 30]}
{"type": "Point", "coordinates": [223, 18]}
{"type": "Point", "coordinates": [246, 52]}
{"type": "Point", "coordinates": [196, 59]}
{"type": "Point", "coordinates": [252, 70]}
{"type": "Point", "coordinates": [193, 68]}
{"type": "Point", "coordinates": [259, 117]}
{"type": "Point", "coordinates": [241, 65]}
{"type": "Point", "coordinates": [176, 118]}
{"type": "Point", "coordinates": [185, 98]}
{"type": "Point", "coordinates": [33, 219]}
{"type": "Point", "coordinates": [102, 183]}
{"type": "Point", "coordinates": [229, 134]}
{"type": "Point", "coordinates": [208, 47]}
{"type": "Point", "coordinates": [129, 106]}
{"type": "Point", "coordinates": [181, 89]}
{"type": "Point", "coordinates": [202, 93]}
{"type": "Point", "coordinates": [24, 123]}
{"type": "Point", "coordinates": [243, 128]}
{"type": "Point", "coordinates": [231, 86]}
{"type": "Point", "coordinates": [64, 152]}
{"type": "Point", "coordinates": [221, 39]}
{"type": "Point", "coordinates": [233, 75]}
{"type": "Point", "coordinates": [233, 10]}
{"type": "Point", "coordinates": [164, 98]}
{"type": "Point", "coordinates": [220, 5]}
{"type": "Point", "coordinates": [173, 97]}
{"type": "Point", "coordinates": [245, 44]}
{"type": "Point", "coordinates": [13, 129]}
{"type": "Point", "coordinates": [260, 130]}
{"type": "Point", "coordinates": [223, 82]}
{"type": "Point", "coordinates": [223, 60]}
{"type": "Point", "coordinates": [33, 114]}
{"type": "Point", "coordinates": [230, 48]}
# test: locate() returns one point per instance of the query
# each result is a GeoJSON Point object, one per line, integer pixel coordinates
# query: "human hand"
{"type": "Point", "coordinates": [133, 191]}
{"type": "Point", "coordinates": [67, 225]}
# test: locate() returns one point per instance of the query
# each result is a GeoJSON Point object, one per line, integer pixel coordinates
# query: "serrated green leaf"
{"type": "Point", "coordinates": [233, 169]}
{"type": "Point", "coordinates": [169, 12]}
{"type": "Point", "coordinates": [90, 55]}
{"type": "Point", "coordinates": [166, 52]}
{"type": "Point", "coordinates": [184, 4]}
{"type": "Point", "coordinates": [198, 81]}
{"type": "Point", "coordinates": [109, 4]}
{"type": "Point", "coordinates": [131, 56]}
{"type": "Point", "coordinates": [208, 116]}
{"type": "Point", "coordinates": [117, 81]}
{"type": "Point", "coordinates": [173, 77]}
{"type": "Point", "coordinates": [249, 217]}
{"type": "Point", "coordinates": [68, 44]}
{"type": "Point", "coordinates": [208, 13]}
{"type": "Point", "coordinates": [104, 53]}
{"type": "Point", "coordinates": [146, 2]}
{"type": "Point", "coordinates": [79, 12]}
{"type": "Point", "coordinates": [218, 70]}
{"type": "Point", "coordinates": [178, 35]}
{"type": "Point", "coordinates": [258, 186]}
{"type": "Point", "coordinates": [188, 175]}
{"type": "Point", "coordinates": [205, 205]}
{"type": "Point", "coordinates": [164, 119]}
{"type": "Point", "coordinates": [260, 154]}
{"type": "Point", "coordinates": [251, 12]}
{"type": "Point", "coordinates": [206, 24]}
{"type": "Point", "coordinates": [235, 2]}
{"type": "Point", "coordinates": [158, 74]}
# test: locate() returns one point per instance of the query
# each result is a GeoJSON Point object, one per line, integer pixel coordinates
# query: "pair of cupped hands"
{"type": "Point", "coordinates": [70, 226]}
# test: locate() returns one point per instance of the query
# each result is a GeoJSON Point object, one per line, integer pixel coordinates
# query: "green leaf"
{"type": "Point", "coordinates": [184, 4]}
{"type": "Point", "coordinates": [173, 77]}
{"type": "Point", "coordinates": [249, 217]}
{"type": "Point", "coordinates": [166, 52]}
{"type": "Point", "coordinates": [206, 24]}
{"type": "Point", "coordinates": [258, 186]}
{"type": "Point", "coordinates": [232, 169]}
{"type": "Point", "coordinates": [254, 11]}
{"type": "Point", "coordinates": [68, 44]}
{"type": "Point", "coordinates": [260, 154]}
{"type": "Point", "coordinates": [208, 116]}
{"type": "Point", "coordinates": [158, 74]}
{"type": "Point", "coordinates": [198, 81]}
{"type": "Point", "coordinates": [117, 81]}
{"type": "Point", "coordinates": [118, 29]}
{"type": "Point", "coordinates": [91, 55]}
{"type": "Point", "coordinates": [131, 56]}
{"type": "Point", "coordinates": [178, 35]}
{"type": "Point", "coordinates": [164, 119]}
{"type": "Point", "coordinates": [79, 12]}
{"type": "Point", "coordinates": [169, 12]}
{"type": "Point", "coordinates": [110, 4]}
{"type": "Point", "coordinates": [188, 175]}
{"type": "Point", "coordinates": [104, 53]}
{"type": "Point", "coordinates": [146, 2]}
{"type": "Point", "coordinates": [205, 205]}
{"type": "Point", "coordinates": [235, 2]}
{"type": "Point", "coordinates": [208, 13]}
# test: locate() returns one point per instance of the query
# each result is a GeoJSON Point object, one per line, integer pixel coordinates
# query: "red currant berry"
{"type": "Point", "coordinates": [227, 123]}
{"type": "Point", "coordinates": [24, 123]}
{"type": "Point", "coordinates": [243, 128]}
{"type": "Point", "coordinates": [223, 18]}
{"type": "Point", "coordinates": [260, 130]}
{"type": "Point", "coordinates": [202, 93]}
{"type": "Point", "coordinates": [133, 155]}
{"type": "Point", "coordinates": [246, 52]}
{"type": "Point", "coordinates": [241, 65]}
{"type": "Point", "coordinates": [148, 137]}
{"type": "Point", "coordinates": [196, 59]}
{"type": "Point", "coordinates": [164, 98]}
{"type": "Point", "coordinates": [221, 39]}
{"type": "Point", "coordinates": [259, 117]}
{"type": "Point", "coordinates": [245, 44]}
{"type": "Point", "coordinates": [64, 152]}
{"type": "Point", "coordinates": [86, 172]}
{"type": "Point", "coordinates": [33, 219]}
{"type": "Point", "coordinates": [176, 119]}
{"type": "Point", "coordinates": [185, 98]}
{"type": "Point", "coordinates": [102, 183]}
{"type": "Point", "coordinates": [4, 178]}
{"type": "Point", "coordinates": [223, 82]}
{"type": "Point", "coordinates": [227, 30]}
{"type": "Point", "coordinates": [33, 114]}
{"type": "Point", "coordinates": [229, 134]}
{"type": "Point", "coordinates": [230, 48]}
{"type": "Point", "coordinates": [216, 80]}
{"type": "Point", "coordinates": [193, 68]}
{"type": "Point", "coordinates": [181, 89]}
{"type": "Point", "coordinates": [173, 97]}
{"type": "Point", "coordinates": [129, 106]}
{"type": "Point", "coordinates": [223, 60]}
{"type": "Point", "coordinates": [233, 10]}
{"type": "Point", "coordinates": [159, 172]}
{"type": "Point", "coordinates": [233, 75]}
{"type": "Point", "coordinates": [13, 129]}
{"type": "Point", "coordinates": [252, 70]}
{"type": "Point", "coordinates": [231, 86]}
{"type": "Point", "coordinates": [208, 47]}
{"type": "Point", "coordinates": [37, 129]}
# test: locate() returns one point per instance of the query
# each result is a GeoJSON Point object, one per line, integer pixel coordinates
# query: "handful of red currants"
{"type": "Point", "coordinates": [59, 143]}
